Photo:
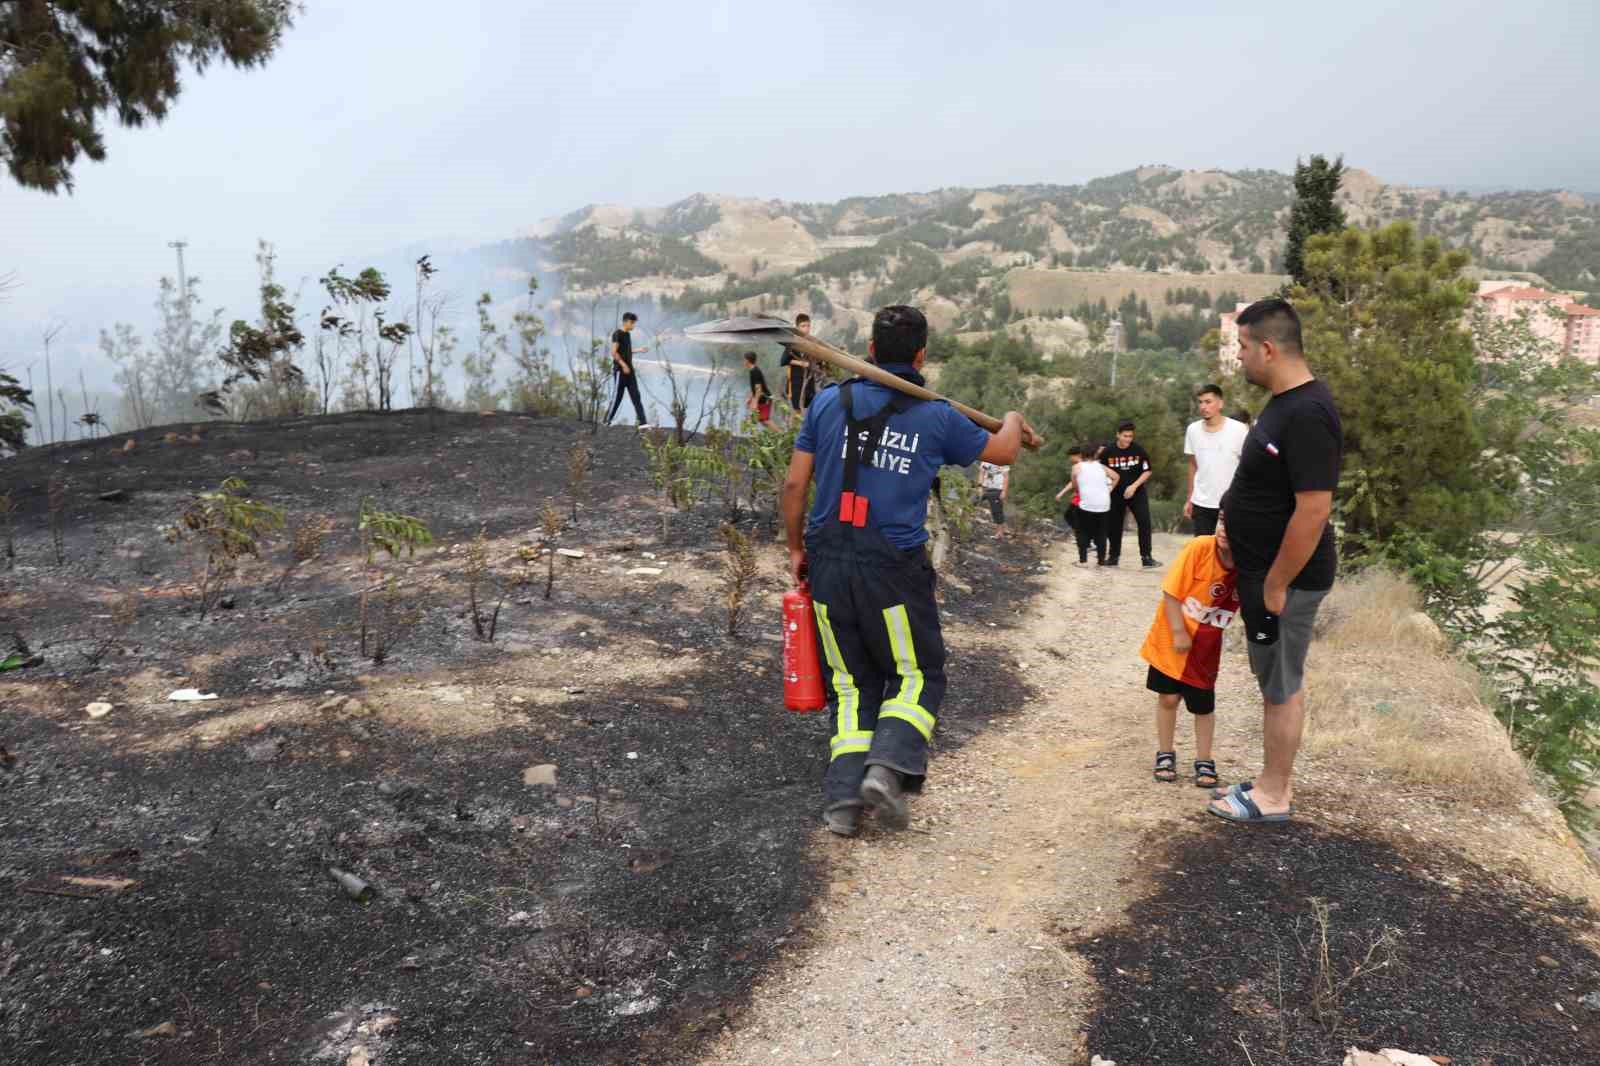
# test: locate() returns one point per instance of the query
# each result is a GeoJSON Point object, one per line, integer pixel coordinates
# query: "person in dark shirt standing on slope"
{"type": "Point", "coordinates": [875, 453]}
{"type": "Point", "coordinates": [1132, 465]}
{"type": "Point", "coordinates": [760, 399]}
{"type": "Point", "coordinates": [1277, 512]}
{"type": "Point", "coordinates": [799, 383]}
{"type": "Point", "coordinates": [622, 353]}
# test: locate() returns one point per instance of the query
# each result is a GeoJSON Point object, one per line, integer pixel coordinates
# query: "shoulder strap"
{"type": "Point", "coordinates": [861, 435]}
{"type": "Point", "coordinates": [901, 402]}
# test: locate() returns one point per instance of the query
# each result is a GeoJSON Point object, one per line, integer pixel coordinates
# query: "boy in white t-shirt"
{"type": "Point", "coordinates": [1093, 483]}
{"type": "Point", "coordinates": [1213, 445]}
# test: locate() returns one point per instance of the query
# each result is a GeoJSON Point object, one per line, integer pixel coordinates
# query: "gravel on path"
{"type": "Point", "coordinates": [941, 944]}
{"type": "Point", "coordinates": [1052, 903]}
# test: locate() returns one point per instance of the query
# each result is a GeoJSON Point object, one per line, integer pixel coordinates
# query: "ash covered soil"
{"type": "Point", "coordinates": [585, 840]}
{"type": "Point", "coordinates": [1315, 939]}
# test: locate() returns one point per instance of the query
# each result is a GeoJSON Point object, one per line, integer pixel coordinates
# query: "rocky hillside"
{"type": "Point", "coordinates": [984, 258]}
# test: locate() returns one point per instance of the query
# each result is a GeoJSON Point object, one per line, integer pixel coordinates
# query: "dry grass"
{"type": "Point", "coordinates": [1382, 689]}
{"type": "Point", "coordinates": [739, 572]}
{"type": "Point", "coordinates": [1034, 289]}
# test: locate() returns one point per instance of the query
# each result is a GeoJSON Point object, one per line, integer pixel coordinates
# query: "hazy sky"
{"type": "Point", "coordinates": [381, 124]}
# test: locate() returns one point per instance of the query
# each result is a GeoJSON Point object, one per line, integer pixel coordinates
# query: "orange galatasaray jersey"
{"type": "Point", "coordinates": [1198, 580]}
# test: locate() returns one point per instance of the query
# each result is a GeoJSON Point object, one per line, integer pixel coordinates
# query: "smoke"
{"type": "Point", "coordinates": [83, 377]}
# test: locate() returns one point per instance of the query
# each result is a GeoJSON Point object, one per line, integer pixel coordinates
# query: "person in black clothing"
{"type": "Point", "coordinates": [1132, 464]}
{"type": "Point", "coordinates": [622, 353]}
{"type": "Point", "coordinates": [799, 383]}
{"type": "Point", "coordinates": [1277, 513]}
{"type": "Point", "coordinates": [760, 398]}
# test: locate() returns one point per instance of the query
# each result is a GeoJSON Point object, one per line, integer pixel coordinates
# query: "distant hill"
{"type": "Point", "coordinates": [988, 258]}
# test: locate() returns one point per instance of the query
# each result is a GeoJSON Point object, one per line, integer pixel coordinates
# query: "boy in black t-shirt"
{"type": "Point", "coordinates": [622, 353]}
{"type": "Point", "coordinates": [1277, 512]}
{"type": "Point", "coordinates": [799, 382]}
{"type": "Point", "coordinates": [760, 398]}
{"type": "Point", "coordinates": [1132, 464]}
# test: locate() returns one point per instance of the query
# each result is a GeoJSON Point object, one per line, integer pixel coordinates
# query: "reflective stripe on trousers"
{"type": "Point", "coordinates": [849, 737]}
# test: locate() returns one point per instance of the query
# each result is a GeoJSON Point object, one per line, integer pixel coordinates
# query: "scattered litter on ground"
{"type": "Point", "coordinates": [98, 709]}
{"type": "Point", "coordinates": [1392, 1057]}
{"type": "Point", "coordinates": [353, 886]}
{"type": "Point", "coordinates": [543, 774]}
{"type": "Point", "coordinates": [75, 887]}
{"type": "Point", "coordinates": [190, 695]}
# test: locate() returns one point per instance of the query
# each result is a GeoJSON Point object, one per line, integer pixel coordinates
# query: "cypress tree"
{"type": "Point", "coordinates": [1316, 182]}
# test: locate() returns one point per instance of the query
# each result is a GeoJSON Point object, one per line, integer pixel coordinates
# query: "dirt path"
{"type": "Point", "coordinates": [941, 944]}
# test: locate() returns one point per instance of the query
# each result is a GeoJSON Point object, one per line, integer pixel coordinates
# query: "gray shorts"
{"type": "Point", "coordinates": [1280, 668]}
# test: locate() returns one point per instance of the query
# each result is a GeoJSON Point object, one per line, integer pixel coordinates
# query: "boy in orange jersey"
{"type": "Point", "coordinates": [1184, 650]}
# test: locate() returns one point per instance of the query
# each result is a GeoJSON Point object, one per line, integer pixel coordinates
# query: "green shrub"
{"type": "Point", "coordinates": [1166, 514]}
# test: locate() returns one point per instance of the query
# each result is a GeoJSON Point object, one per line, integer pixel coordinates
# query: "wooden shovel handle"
{"type": "Point", "coordinates": [861, 368]}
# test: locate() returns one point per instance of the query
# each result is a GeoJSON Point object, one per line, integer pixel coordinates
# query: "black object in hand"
{"type": "Point", "coordinates": [1260, 624]}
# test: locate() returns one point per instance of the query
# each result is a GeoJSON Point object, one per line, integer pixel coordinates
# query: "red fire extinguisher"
{"type": "Point", "coordinates": [802, 670]}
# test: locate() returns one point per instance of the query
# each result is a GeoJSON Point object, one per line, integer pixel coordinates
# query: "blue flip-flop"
{"type": "Point", "coordinates": [1232, 790]}
{"type": "Point", "coordinates": [1241, 808]}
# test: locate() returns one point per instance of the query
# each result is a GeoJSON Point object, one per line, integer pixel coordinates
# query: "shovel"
{"type": "Point", "coordinates": [756, 328]}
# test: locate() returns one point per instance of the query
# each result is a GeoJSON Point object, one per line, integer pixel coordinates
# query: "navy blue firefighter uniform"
{"type": "Point", "coordinates": [877, 454]}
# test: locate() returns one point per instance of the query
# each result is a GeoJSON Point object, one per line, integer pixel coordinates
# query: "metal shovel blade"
{"type": "Point", "coordinates": [745, 329]}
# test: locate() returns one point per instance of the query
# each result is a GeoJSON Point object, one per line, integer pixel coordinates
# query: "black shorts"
{"type": "Point", "coordinates": [1198, 700]}
{"type": "Point", "coordinates": [997, 506]}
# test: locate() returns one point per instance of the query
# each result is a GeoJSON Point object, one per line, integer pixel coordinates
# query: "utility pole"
{"type": "Point", "coordinates": [38, 427]}
{"type": "Point", "coordinates": [183, 291]}
{"type": "Point", "coordinates": [1115, 341]}
{"type": "Point", "coordinates": [50, 334]}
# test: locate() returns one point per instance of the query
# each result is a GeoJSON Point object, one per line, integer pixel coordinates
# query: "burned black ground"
{"type": "Point", "coordinates": [1427, 952]}
{"type": "Point", "coordinates": [622, 915]}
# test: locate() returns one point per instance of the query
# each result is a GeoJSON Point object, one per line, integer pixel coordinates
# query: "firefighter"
{"type": "Point", "coordinates": [875, 454]}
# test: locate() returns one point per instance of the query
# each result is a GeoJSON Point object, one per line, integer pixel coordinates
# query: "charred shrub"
{"type": "Point", "coordinates": [398, 536]}
{"type": "Point", "coordinates": [738, 572]}
{"type": "Point", "coordinates": [222, 528]}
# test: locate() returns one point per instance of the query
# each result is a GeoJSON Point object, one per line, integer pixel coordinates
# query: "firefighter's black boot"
{"type": "Point", "coordinates": [843, 820]}
{"type": "Point", "coordinates": [882, 792]}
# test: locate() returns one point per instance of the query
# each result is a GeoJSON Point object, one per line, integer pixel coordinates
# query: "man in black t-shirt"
{"type": "Point", "coordinates": [622, 353]}
{"type": "Point", "coordinates": [1132, 464]}
{"type": "Point", "coordinates": [1277, 512]}
{"type": "Point", "coordinates": [760, 398]}
{"type": "Point", "coordinates": [799, 382]}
